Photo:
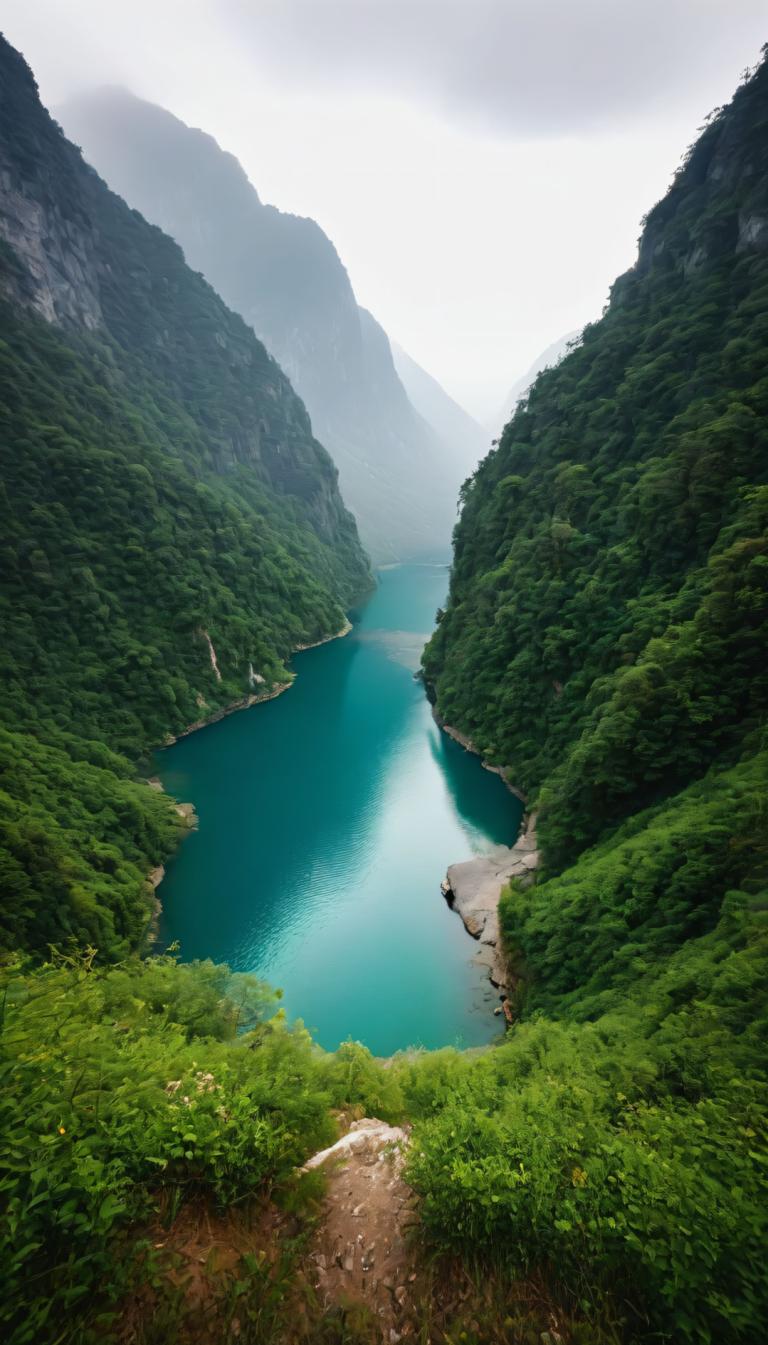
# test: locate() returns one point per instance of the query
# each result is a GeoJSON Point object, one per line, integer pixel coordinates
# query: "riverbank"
{"type": "Point", "coordinates": [187, 810]}
{"type": "Point", "coordinates": [473, 889]}
{"type": "Point", "coordinates": [255, 697]}
{"type": "Point", "coordinates": [466, 742]}
{"type": "Point", "coordinates": [328, 821]}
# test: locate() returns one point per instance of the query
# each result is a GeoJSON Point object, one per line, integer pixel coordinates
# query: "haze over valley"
{"type": "Point", "coordinates": [384, 608]}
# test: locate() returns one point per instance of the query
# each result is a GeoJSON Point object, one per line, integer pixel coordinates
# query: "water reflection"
{"type": "Point", "coordinates": [327, 820]}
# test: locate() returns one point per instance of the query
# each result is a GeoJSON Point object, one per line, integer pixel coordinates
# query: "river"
{"type": "Point", "coordinates": [327, 820]}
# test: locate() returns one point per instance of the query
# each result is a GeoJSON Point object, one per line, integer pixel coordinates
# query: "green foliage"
{"type": "Point", "coordinates": [355, 1080]}
{"type": "Point", "coordinates": [162, 496]}
{"type": "Point", "coordinates": [624, 1157]}
{"type": "Point", "coordinates": [630, 903]}
{"type": "Point", "coordinates": [79, 835]}
{"type": "Point", "coordinates": [124, 1091]}
{"type": "Point", "coordinates": [118, 558]}
{"type": "Point", "coordinates": [606, 628]}
{"type": "Point", "coordinates": [632, 1200]}
{"type": "Point", "coordinates": [605, 641]}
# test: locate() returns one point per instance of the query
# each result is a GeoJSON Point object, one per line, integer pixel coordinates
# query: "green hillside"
{"type": "Point", "coordinates": [597, 1178]}
{"type": "Point", "coordinates": [161, 490]}
{"type": "Point", "coordinates": [605, 642]}
{"type": "Point", "coordinates": [604, 637]}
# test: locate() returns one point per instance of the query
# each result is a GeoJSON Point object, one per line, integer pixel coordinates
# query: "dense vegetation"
{"type": "Point", "coordinates": [605, 633]}
{"type": "Point", "coordinates": [604, 640]}
{"type": "Point", "coordinates": [283, 275]}
{"type": "Point", "coordinates": [161, 490]}
{"type": "Point", "coordinates": [621, 1160]}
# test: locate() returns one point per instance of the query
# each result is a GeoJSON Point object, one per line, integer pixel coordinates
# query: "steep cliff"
{"type": "Point", "coordinates": [162, 495]}
{"type": "Point", "coordinates": [603, 634]}
{"type": "Point", "coordinates": [284, 276]}
{"type": "Point", "coordinates": [605, 641]}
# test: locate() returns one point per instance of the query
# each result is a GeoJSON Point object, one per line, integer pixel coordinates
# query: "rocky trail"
{"type": "Point", "coordinates": [362, 1253]}
{"type": "Point", "coordinates": [353, 1273]}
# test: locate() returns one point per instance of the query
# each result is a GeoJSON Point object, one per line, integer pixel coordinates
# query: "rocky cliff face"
{"type": "Point", "coordinates": [78, 257]}
{"type": "Point", "coordinates": [283, 275]}
{"type": "Point", "coordinates": [718, 202]}
{"type": "Point", "coordinates": [50, 254]}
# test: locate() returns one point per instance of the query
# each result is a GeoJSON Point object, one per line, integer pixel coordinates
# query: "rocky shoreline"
{"type": "Point", "coordinates": [255, 697]}
{"type": "Point", "coordinates": [466, 742]}
{"type": "Point", "coordinates": [473, 889]}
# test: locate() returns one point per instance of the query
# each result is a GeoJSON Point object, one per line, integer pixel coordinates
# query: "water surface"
{"type": "Point", "coordinates": [327, 820]}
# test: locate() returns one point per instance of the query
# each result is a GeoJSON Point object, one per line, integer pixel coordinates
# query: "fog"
{"type": "Point", "coordinates": [482, 166]}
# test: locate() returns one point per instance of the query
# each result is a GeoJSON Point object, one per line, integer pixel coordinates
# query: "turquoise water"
{"type": "Point", "coordinates": [327, 820]}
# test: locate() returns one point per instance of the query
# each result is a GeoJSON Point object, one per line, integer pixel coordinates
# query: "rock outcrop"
{"type": "Point", "coordinates": [362, 1253]}
{"type": "Point", "coordinates": [473, 889]}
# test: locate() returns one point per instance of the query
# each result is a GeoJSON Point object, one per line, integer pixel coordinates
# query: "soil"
{"type": "Point", "coordinates": [362, 1251]}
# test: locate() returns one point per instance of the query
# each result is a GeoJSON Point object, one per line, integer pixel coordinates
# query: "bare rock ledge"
{"type": "Point", "coordinates": [474, 887]}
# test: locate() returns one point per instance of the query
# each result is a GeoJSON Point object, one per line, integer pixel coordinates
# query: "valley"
{"type": "Point", "coordinates": [257, 1086]}
{"type": "Point", "coordinates": [328, 818]}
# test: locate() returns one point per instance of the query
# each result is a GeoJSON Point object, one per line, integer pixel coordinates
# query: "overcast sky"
{"type": "Point", "coordinates": [482, 166]}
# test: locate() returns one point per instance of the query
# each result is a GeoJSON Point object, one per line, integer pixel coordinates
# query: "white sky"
{"type": "Point", "coordinates": [482, 166]}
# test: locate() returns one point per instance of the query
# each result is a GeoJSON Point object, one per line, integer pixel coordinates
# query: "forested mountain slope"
{"type": "Point", "coordinates": [604, 637]}
{"type": "Point", "coordinates": [283, 274]}
{"type": "Point", "coordinates": [171, 529]}
{"type": "Point", "coordinates": [601, 1176]}
{"type": "Point", "coordinates": [605, 642]}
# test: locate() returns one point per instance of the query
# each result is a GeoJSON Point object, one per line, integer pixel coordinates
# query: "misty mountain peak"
{"type": "Point", "coordinates": [284, 276]}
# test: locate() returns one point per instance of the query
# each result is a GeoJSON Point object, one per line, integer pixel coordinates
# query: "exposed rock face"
{"type": "Point", "coordinates": [72, 253]}
{"type": "Point", "coordinates": [53, 270]}
{"type": "Point", "coordinates": [474, 887]}
{"type": "Point", "coordinates": [59, 283]}
{"type": "Point", "coordinates": [683, 229]}
{"type": "Point", "coordinates": [753, 230]}
{"type": "Point", "coordinates": [366, 1137]}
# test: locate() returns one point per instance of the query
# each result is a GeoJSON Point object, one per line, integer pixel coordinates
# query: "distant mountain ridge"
{"type": "Point", "coordinates": [284, 276]}
{"type": "Point", "coordinates": [546, 360]}
{"type": "Point", "coordinates": [458, 430]}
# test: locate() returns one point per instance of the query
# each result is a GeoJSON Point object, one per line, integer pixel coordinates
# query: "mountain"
{"type": "Point", "coordinates": [604, 642]}
{"type": "Point", "coordinates": [605, 634]}
{"type": "Point", "coordinates": [599, 540]}
{"type": "Point", "coordinates": [546, 360]}
{"type": "Point", "coordinates": [463, 439]}
{"type": "Point", "coordinates": [171, 528]}
{"type": "Point", "coordinates": [283, 275]}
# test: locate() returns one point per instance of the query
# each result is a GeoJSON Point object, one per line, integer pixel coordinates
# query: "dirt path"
{"type": "Point", "coordinates": [361, 1252]}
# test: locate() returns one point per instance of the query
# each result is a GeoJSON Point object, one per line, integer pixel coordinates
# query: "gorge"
{"type": "Point", "coordinates": [589, 1169]}
{"type": "Point", "coordinates": [328, 818]}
